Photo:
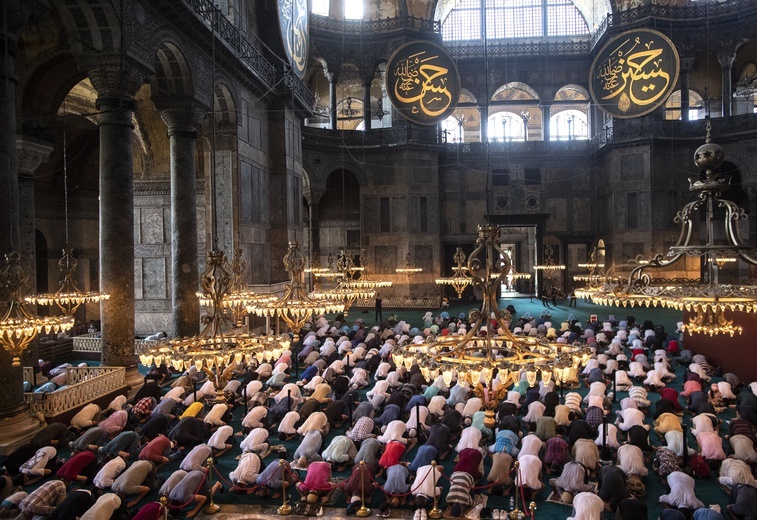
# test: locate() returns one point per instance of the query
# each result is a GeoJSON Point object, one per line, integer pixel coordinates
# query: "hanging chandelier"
{"type": "Point", "coordinates": [489, 356]}
{"type": "Point", "coordinates": [68, 297]}
{"type": "Point", "coordinates": [459, 279]}
{"type": "Point", "coordinates": [549, 264]}
{"type": "Point", "coordinates": [408, 269]}
{"type": "Point", "coordinates": [218, 344]}
{"type": "Point", "coordinates": [349, 289]}
{"type": "Point", "coordinates": [295, 307]}
{"type": "Point", "coordinates": [238, 298]}
{"type": "Point", "coordinates": [595, 278]}
{"type": "Point", "coordinates": [18, 327]}
{"type": "Point", "coordinates": [719, 243]}
{"type": "Point", "coordinates": [366, 280]}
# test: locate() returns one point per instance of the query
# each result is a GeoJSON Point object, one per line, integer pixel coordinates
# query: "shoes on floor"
{"type": "Point", "coordinates": [424, 514]}
{"type": "Point", "coordinates": [417, 514]}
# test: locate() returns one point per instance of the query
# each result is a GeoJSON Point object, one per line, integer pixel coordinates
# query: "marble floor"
{"type": "Point", "coordinates": [255, 512]}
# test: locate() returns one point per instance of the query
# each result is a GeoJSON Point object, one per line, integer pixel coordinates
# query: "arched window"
{"type": "Point", "coordinates": [513, 19]}
{"type": "Point", "coordinates": [453, 129]}
{"type": "Point", "coordinates": [506, 126]}
{"type": "Point", "coordinates": [696, 106]}
{"type": "Point", "coordinates": [353, 9]}
{"type": "Point", "coordinates": [568, 125]}
{"type": "Point", "coordinates": [320, 7]}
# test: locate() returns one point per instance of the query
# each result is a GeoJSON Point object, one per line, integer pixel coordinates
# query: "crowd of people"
{"type": "Point", "coordinates": [403, 441]}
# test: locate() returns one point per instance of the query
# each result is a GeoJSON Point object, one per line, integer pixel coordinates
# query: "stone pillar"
{"type": "Point", "coordinates": [31, 154]}
{"type": "Point", "coordinates": [545, 112]}
{"type": "Point", "coordinates": [367, 105]}
{"type": "Point", "coordinates": [182, 136]}
{"type": "Point", "coordinates": [726, 62]}
{"type": "Point", "coordinates": [483, 111]}
{"type": "Point", "coordinates": [116, 82]}
{"type": "Point", "coordinates": [332, 77]}
{"type": "Point", "coordinates": [9, 232]}
{"type": "Point", "coordinates": [16, 423]}
{"type": "Point", "coordinates": [686, 64]}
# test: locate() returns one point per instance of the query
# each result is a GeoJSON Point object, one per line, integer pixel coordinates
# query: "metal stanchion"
{"type": "Point", "coordinates": [685, 447]}
{"type": "Point", "coordinates": [532, 508]}
{"type": "Point", "coordinates": [285, 508]}
{"type": "Point", "coordinates": [418, 421]}
{"type": "Point", "coordinates": [614, 384]}
{"type": "Point", "coordinates": [363, 511]}
{"type": "Point", "coordinates": [194, 391]}
{"type": "Point", "coordinates": [516, 513]}
{"type": "Point", "coordinates": [605, 450]}
{"type": "Point", "coordinates": [244, 398]}
{"type": "Point", "coordinates": [212, 507]}
{"type": "Point", "coordinates": [164, 507]}
{"type": "Point", "coordinates": [435, 511]}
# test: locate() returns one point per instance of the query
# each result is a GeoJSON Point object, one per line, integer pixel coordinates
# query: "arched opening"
{"type": "Point", "coordinates": [507, 126]}
{"type": "Point", "coordinates": [696, 106]}
{"type": "Point", "coordinates": [514, 114]}
{"type": "Point", "coordinates": [568, 125]}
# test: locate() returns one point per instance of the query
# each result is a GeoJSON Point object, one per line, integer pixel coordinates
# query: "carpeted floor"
{"type": "Point", "coordinates": [707, 489]}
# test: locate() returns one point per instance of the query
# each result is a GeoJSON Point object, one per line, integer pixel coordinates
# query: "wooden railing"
{"type": "Point", "coordinates": [85, 385]}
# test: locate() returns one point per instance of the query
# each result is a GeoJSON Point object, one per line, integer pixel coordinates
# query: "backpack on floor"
{"type": "Point", "coordinates": [699, 467]}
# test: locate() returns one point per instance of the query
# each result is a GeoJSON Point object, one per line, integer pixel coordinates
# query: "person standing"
{"type": "Point", "coordinates": [379, 315]}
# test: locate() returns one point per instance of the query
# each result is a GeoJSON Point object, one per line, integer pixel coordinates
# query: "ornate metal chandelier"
{"type": "Point", "coordinates": [719, 243]}
{"type": "Point", "coordinates": [488, 356]}
{"type": "Point", "coordinates": [295, 307]}
{"type": "Point", "coordinates": [18, 327]}
{"type": "Point", "coordinates": [238, 297]}
{"type": "Point", "coordinates": [459, 279]}
{"type": "Point", "coordinates": [68, 297]}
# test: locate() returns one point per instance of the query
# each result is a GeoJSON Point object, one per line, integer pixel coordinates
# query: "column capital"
{"type": "Point", "coordinates": [726, 59]}
{"type": "Point", "coordinates": [181, 118]}
{"type": "Point", "coordinates": [113, 77]}
{"type": "Point", "coordinates": [30, 155]}
{"type": "Point", "coordinates": [332, 76]}
{"type": "Point", "coordinates": [687, 63]}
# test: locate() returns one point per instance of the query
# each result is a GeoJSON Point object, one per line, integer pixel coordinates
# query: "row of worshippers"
{"type": "Point", "coordinates": [324, 399]}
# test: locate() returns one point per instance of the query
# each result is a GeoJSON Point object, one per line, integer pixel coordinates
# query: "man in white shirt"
{"type": "Point", "coordinates": [109, 472]}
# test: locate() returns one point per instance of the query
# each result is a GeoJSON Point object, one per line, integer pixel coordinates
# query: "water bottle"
{"type": "Point", "coordinates": [512, 503]}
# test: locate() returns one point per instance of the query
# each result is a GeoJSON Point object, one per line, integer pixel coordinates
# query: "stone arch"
{"type": "Point", "coordinates": [347, 164]}
{"type": "Point", "coordinates": [173, 75]}
{"type": "Point", "coordinates": [93, 26]}
{"type": "Point", "coordinates": [224, 106]}
{"type": "Point", "coordinates": [515, 90]}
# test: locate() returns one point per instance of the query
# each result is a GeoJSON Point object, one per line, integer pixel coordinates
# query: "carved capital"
{"type": "Point", "coordinates": [687, 63]}
{"type": "Point", "coordinates": [180, 116]}
{"type": "Point", "coordinates": [30, 155]}
{"type": "Point", "coordinates": [113, 77]}
{"type": "Point", "coordinates": [726, 59]}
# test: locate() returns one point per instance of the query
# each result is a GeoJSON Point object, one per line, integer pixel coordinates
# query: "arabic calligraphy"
{"type": "Point", "coordinates": [293, 19]}
{"type": "Point", "coordinates": [634, 73]}
{"type": "Point", "coordinates": [422, 82]}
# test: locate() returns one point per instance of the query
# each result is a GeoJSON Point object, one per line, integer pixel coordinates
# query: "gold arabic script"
{"type": "Point", "coordinates": [634, 73]}
{"type": "Point", "coordinates": [421, 85]}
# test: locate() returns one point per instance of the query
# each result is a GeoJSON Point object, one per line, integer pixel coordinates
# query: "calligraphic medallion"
{"type": "Point", "coordinates": [634, 73]}
{"type": "Point", "coordinates": [293, 22]}
{"type": "Point", "coordinates": [422, 82]}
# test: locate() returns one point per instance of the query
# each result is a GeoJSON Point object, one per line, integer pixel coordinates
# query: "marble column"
{"type": "Point", "coordinates": [545, 114]}
{"type": "Point", "coordinates": [182, 136]}
{"type": "Point", "coordinates": [117, 229]}
{"type": "Point", "coordinates": [16, 423]}
{"type": "Point", "coordinates": [9, 232]}
{"type": "Point", "coordinates": [483, 111]}
{"type": "Point", "coordinates": [726, 63]}
{"type": "Point", "coordinates": [31, 153]}
{"type": "Point", "coordinates": [117, 81]}
{"type": "Point", "coordinates": [686, 64]}
{"type": "Point", "coordinates": [332, 77]}
{"type": "Point", "coordinates": [367, 105]}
